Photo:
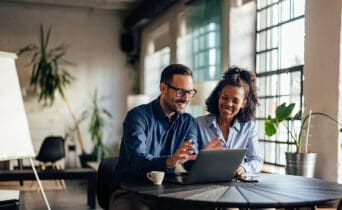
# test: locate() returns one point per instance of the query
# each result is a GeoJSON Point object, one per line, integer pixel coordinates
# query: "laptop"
{"type": "Point", "coordinates": [211, 166]}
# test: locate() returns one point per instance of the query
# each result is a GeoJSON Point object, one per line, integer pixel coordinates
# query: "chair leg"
{"type": "Point", "coordinates": [42, 166]}
{"type": "Point", "coordinates": [63, 184]}
{"type": "Point", "coordinates": [57, 166]}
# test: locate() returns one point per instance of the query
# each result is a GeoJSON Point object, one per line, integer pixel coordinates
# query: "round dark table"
{"type": "Point", "coordinates": [272, 191]}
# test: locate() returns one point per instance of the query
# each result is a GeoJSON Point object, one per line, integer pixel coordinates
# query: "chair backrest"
{"type": "Point", "coordinates": [52, 149]}
{"type": "Point", "coordinates": [104, 180]}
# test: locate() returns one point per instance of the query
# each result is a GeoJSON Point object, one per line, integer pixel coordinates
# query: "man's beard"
{"type": "Point", "coordinates": [173, 107]}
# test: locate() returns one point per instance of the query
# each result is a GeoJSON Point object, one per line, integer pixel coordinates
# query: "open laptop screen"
{"type": "Point", "coordinates": [212, 166]}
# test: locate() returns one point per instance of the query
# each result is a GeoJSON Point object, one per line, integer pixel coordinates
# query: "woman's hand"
{"type": "Point", "coordinates": [240, 171]}
{"type": "Point", "coordinates": [215, 143]}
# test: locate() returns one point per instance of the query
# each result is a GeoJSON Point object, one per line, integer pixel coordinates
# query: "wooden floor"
{"type": "Point", "coordinates": [74, 198]}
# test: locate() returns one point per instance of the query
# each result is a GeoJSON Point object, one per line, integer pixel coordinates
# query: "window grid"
{"type": "Point", "coordinates": [154, 64]}
{"type": "Point", "coordinates": [279, 69]}
{"type": "Point", "coordinates": [206, 52]}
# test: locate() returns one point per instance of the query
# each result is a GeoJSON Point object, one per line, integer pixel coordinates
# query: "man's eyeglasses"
{"type": "Point", "coordinates": [181, 92]}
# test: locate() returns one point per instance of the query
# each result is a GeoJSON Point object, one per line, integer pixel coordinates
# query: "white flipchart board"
{"type": "Point", "coordinates": [15, 138]}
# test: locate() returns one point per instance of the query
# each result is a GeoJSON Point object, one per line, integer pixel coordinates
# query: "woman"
{"type": "Point", "coordinates": [230, 122]}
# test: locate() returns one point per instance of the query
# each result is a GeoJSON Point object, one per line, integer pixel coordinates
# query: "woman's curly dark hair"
{"type": "Point", "coordinates": [238, 77]}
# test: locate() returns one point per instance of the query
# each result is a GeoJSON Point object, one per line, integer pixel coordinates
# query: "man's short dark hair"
{"type": "Point", "coordinates": [172, 69]}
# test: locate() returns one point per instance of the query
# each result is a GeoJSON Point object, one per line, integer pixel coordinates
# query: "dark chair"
{"type": "Point", "coordinates": [104, 180]}
{"type": "Point", "coordinates": [338, 207]}
{"type": "Point", "coordinates": [51, 151]}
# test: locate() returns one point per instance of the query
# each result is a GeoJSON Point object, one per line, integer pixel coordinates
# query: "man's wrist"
{"type": "Point", "coordinates": [169, 162]}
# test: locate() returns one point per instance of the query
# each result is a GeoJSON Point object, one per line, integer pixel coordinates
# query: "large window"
{"type": "Point", "coordinates": [200, 47]}
{"type": "Point", "coordinates": [154, 64]}
{"type": "Point", "coordinates": [279, 68]}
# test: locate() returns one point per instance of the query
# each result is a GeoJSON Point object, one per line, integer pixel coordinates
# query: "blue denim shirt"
{"type": "Point", "coordinates": [241, 135]}
{"type": "Point", "coordinates": [149, 139]}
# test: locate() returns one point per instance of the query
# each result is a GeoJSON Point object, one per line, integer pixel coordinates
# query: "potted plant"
{"type": "Point", "coordinates": [49, 75]}
{"type": "Point", "coordinates": [97, 116]}
{"type": "Point", "coordinates": [300, 162]}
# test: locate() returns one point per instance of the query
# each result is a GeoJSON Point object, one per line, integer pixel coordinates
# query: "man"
{"type": "Point", "coordinates": [157, 136]}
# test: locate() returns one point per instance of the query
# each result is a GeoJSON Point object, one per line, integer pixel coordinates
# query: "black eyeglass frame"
{"type": "Point", "coordinates": [180, 92]}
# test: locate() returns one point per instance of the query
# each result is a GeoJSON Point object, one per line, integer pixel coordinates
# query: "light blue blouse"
{"type": "Point", "coordinates": [241, 135]}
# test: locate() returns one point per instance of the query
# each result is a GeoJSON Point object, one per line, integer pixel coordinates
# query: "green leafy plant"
{"type": "Point", "coordinates": [97, 120]}
{"type": "Point", "coordinates": [49, 74]}
{"type": "Point", "coordinates": [282, 114]}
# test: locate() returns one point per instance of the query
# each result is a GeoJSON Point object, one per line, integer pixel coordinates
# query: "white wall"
{"type": "Point", "coordinates": [162, 32]}
{"type": "Point", "coordinates": [322, 82]}
{"type": "Point", "coordinates": [93, 36]}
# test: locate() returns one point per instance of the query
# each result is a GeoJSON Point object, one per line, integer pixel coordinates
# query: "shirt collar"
{"type": "Point", "coordinates": [160, 112]}
{"type": "Point", "coordinates": [212, 122]}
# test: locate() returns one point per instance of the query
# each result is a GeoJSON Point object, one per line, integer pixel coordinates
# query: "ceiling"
{"type": "Point", "coordinates": [139, 11]}
{"type": "Point", "coordinates": [96, 4]}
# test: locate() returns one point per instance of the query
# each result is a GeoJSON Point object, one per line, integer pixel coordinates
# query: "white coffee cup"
{"type": "Point", "coordinates": [156, 177]}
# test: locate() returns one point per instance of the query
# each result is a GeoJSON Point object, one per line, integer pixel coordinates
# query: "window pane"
{"type": "Point", "coordinates": [279, 69]}
{"type": "Point", "coordinates": [292, 44]}
{"type": "Point", "coordinates": [154, 63]}
{"type": "Point", "coordinates": [262, 3]}
{"type": "Point", "coordinates": [260, 128]}
{"type": "Point", "coordinates": [212, 57]}
{"type": "Point", "coordinates": [272, 38]}
{"type": "Point", "coordinates": [270, 152]}
{"type": "Point", "coordinates": [272, 85]}
{"type": "Point", "coordinates": [261, 62]}
{"type": "Point", "coordinates": [262, 18]}
{"type": "Point", "coordinates": [272, 15]}
{"type": "Point", "coordinates": [212, 26]}
{"type": "Point", "coordinates": [272, 60]}
{"type": "Point", "coordinates": [261, 86]}
{"type": "Point", "coordinates": [282, 148]}
{"type": "Point", "coordinates": [285, 10]}
{"type": "Point", "coordinates": [290, 84]}
{"type": "Point", "coordinates": [196, 45]}
{"type": "Point", "coordinates": [284, 84]}
{"type": "Point", "coordinates": [298, 7]}
{"type": "Point", "coordinates": [212, 72]}
{"type": "Point", "coordinates": [261, 108]}
{"type": "Point", "coordinates": [295, 83]}
{"type": "Point", "coordinates": [205, 35]}
{"type": "Point", "coordinates": [211, 39]}
{"type": "Point", "coordinates": [270, 108]}
{"type": "Point", "coordinates": [202, 42]}
{"type": "Point", "coordinates": [262, 149]}
{"type": "Point", "coordinates": [261, 41]}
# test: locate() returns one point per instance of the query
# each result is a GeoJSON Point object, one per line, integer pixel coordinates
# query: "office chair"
{"type": "Point", "coordinates": [338, 207]}
{"type": "Point", "coordinates": [51, 151]}
{"type": "Point", "coordinates": [104, 180]}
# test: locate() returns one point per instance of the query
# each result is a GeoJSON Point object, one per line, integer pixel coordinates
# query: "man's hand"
{"type": "Point", "coordinates": [182, 154]}
{"type": "Point", "coordinates": [215, 143]}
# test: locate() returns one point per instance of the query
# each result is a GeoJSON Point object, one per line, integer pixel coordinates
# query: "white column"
{"type": "Point", "coordinates": [322, 81]}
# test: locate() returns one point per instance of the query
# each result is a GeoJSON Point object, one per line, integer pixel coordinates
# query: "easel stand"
{"type": "Point", "coordinates": [40, 185]}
